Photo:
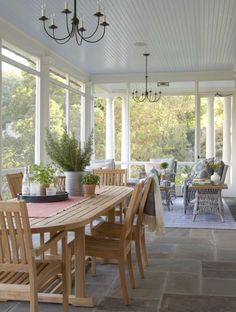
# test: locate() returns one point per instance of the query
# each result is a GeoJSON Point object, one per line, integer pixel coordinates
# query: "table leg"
{"type": "Point", "coordinates": [79, 249]}
{"type": "Point", "coordinates": [111, 215]}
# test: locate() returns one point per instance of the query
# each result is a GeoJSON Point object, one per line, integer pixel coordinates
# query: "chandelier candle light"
{"type": "Point", "coordinates": [147, 95]}
{"type": "Point", "coordinates": [76, 29]}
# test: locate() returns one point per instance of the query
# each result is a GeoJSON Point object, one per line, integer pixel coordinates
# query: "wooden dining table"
{"type": "Point", "coordinates": [75, 219]}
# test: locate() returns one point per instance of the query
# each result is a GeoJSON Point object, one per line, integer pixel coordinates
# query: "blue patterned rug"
{"type": "Point", "coordinates": [177, 219]}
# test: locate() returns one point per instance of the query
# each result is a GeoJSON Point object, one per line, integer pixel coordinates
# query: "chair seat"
{"type": "Point", "coordinates": [18, 282]}
{"type": "Point", "coordinates": [104, 248]}
{"type": "Point", "coordinates": [111, 230]}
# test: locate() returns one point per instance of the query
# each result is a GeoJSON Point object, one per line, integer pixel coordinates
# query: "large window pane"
{"type": "Point", "coordinates": [100, 128]}
{"type": "Point", "coordinates": [203, 118]}
{"type": "Point", "coordinates": [163, 129]}
{"type": "Point", "coordinates": [75, 113]}
{"type": "Point", "coordinates": [57, 108]}
{"type": "Point", "coordinates": [219, 108]}
{"type": "Point", "coordinates": [118, 130]}
{"type": "Point", "coordinates": [18, 117]}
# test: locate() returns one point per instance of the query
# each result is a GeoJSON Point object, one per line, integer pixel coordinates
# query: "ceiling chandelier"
{"type": "Point", "coordinates": [76, 29]}
{"type": "Point", "coordinates": [222, 95]}
{"type": "Point", "coordinates": [146, 95]}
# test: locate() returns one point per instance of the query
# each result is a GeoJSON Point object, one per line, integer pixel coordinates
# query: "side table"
{"type": "Point", "coordinates": [208, 199]}
{"type": "Point", "coordinates": [166, 193]}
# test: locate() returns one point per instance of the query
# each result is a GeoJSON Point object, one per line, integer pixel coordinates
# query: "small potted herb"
{"type": "Point", "coordinates": [44, 175]}
{"type": "Point", "coordinates": [89, 183]}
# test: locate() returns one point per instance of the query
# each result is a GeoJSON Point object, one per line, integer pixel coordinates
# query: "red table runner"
{"type": "Point", "coordinates": [46, 210]}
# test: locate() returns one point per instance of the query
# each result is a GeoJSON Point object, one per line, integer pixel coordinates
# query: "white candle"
{"type": "Point", "coordinates": [43, 6]}
{"type": "Point", "coordinates": [98, 6]}
{"type": "Point", "coordinates": [66, 4]}
{"type": "Point", "coordinates": [52, 19]}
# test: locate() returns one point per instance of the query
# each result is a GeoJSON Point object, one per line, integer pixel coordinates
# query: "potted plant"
{"type": "Point", "coordinates": [67, 152]}
{"type": "Point", "coordinates": [164, 166]}
{"type": "Point", "coordinates": [215, 165]}
{"type": "Point", "coordinates": [89, 183]}
{"type": "Point", "coordinates": [44, 175]}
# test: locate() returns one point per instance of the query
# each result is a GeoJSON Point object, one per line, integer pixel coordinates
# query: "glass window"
{"type": "Point", "coordinates": [118, 127]}
{"type": "Point", "coordinates": [55, 74]}
{"type": "Point", "coordinates": [219, 109]}
{"type": "Point", "coordinates": [100, 128]}
{"type": "Point", "coordinates": [163, 129]}
{"type": "Point", "coordinates": [203, 120]}
{"type": "Point", "coordinates": [77, 85]}
{"type": "Point", "coordinates": [18, 117]}
{"type": "Point", "coordinates": [18, 55]}
{"type": "Point", "coordinates": [57, 107]}
{"type": "Point", "coordinates": [75, 114]}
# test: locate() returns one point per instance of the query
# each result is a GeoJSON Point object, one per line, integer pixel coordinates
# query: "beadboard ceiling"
{"type": "Point", "coordinates": [180, 35]}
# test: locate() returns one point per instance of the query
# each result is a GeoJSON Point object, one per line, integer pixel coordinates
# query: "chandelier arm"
{"type": "Point", "coordinates": [70, 33]}
{"type": "Point", "coordinates": [90, 36]}
{"type": "Point", "coordinates": [61, 42]}
{"type": "Point", "coordinates": [138, 99]}
{"type": "Point", "coordinates": [77, 39]}
{"type": "Point", "coordinates": [53, 36]}
{"type": "Point", "coordinates": [91, 41]}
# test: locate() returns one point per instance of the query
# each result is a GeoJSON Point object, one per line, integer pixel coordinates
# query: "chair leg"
{"type": "Point", "coordinates": [130, 268]}
{"type": "Point", "coordinates": [144, 248]}
{"type": "Point", "coordinates": [123, 281]}
{"type": "Point", "coordinates": [138, 255]}
{"type": "Point", "coordinates": [33, 298]}
{"type": "Point", "coordinates": [65, 276]}
{"type": "Point", "coordinates": [93, 266]}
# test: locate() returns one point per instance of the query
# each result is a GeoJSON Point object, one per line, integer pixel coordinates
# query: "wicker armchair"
{"type": "Point", "coordinates": [189, 194]}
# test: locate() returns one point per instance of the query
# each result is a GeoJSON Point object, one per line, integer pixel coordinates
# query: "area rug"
{"type": "Point", "coordinates": [177, 219]}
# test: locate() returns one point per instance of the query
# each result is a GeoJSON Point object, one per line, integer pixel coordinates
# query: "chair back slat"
{"type": "Point", "coordinates": [16, 240]}
{"type": "Point", "coordinates": [20, 236]}
{"type": "Point", "coordinates": [12, 237]}
{"type": "Point", "coordinates": [131, 211]}
{"type": "Point", "coordinates": [14, 181]}
{"type": "Point", "coordinates": [117, 177]}
{"type": "Point", "coordinates": [145, 191]}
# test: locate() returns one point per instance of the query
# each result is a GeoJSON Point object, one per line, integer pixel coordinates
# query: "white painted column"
{"type": "Point", "coordinates": [210, 128]}
{"type": "Point", "coordinates": [1, 99]}
{"type": "Point", "coordinates": [197, 127]}
{"type": "Point", "coordinates": [233, 149]}
{"type": "Point", "coordinates": [125, 142]}
{"type": "Point", "coordinates": [226, 129]}
{"type": "Point", "coordinates": [86, 113]}
{"type": "Point", "coordinates": [110, 127]}
{"type": "Point", "coordinates": [42, 110]}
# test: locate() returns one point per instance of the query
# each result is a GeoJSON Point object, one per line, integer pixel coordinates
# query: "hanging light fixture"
{"type": "Point", "coordinates": [223, 95]}
{"type": "Point", "coordinates": [146, 95]}
{"type": "Point", "coordinates": [76, 29]}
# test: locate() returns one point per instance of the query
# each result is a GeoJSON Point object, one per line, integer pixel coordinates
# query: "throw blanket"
{"type": "Point", "coordinates": [153, 210]}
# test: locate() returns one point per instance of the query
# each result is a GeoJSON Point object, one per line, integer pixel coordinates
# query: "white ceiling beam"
{"type": "Point", "coordinates": [154, 77]}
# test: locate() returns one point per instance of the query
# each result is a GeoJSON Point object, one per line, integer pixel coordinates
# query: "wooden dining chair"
{"type": "Point", "coordinates": [116, 249]}
{"type": "Point", "coordinates": [22, 274]}
{"type": "Point", "coordinates": [14, 181]}
{"type": "Point", "coordinates": [116, 177]}
{"type": "Point", "coordinates": [113, 230]}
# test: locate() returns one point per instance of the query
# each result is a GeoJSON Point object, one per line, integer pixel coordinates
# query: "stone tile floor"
{"type": "Point", "coordinates": [191, 270]}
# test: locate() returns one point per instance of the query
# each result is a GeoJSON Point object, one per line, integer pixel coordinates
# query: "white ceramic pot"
{"type": "Point", "coordinates": [215, 178]}
{"type": "Point", "coordinates": [73, 182]}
